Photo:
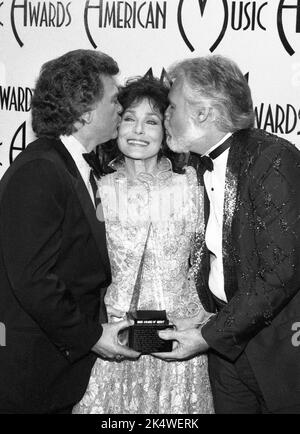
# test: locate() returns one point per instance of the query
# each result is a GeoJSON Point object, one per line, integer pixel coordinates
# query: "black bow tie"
{"type": "Point", "coordinates": [206, 162]}
{"type": "Point", "coordinates": [94, 162]}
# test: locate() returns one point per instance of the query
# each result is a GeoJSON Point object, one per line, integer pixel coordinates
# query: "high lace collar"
{"type": "Point", "coordinates": [162, 173]}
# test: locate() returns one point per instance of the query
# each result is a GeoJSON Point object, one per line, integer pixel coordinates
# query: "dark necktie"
{"type": "Point", "coordinates": [94, 162]}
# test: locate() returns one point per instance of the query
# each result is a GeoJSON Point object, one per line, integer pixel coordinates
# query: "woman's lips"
{"type": "Point", "coordinates": [137, 142]}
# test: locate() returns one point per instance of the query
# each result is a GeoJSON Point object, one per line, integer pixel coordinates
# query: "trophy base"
{"type": "Point", "coordinates": [143, 336]}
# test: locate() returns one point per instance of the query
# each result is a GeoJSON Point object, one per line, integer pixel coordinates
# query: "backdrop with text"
{"type": "Point", "coordinates": [263, 37]}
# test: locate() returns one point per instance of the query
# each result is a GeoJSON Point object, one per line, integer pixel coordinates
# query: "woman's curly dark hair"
{"type": "Point", "coordinates": [67, 87]}
{"type": "Point", "coordinates": [135, 90]}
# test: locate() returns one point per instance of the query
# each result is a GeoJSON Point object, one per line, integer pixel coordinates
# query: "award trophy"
{"type": "Point", "coordinates": [142, 336]}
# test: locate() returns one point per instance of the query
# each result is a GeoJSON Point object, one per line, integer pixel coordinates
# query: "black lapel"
{"type": "Point", "coordinates": [237, 166]}
{"type": "Point", "coordinates": [97, 227]}
{"type": "Point", "coordinates": [235, 170]}
{"type": "Point", "coordinates": [200, 260]}
{"type": "Point", "coordinates": [205, 266]}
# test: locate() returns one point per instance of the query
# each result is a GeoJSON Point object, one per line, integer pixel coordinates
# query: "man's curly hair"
{"type": "Point", "coordinates": [68, 87]}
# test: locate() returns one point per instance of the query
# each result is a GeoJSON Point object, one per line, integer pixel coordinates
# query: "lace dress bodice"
{"type": "Point", "coordinates": [170, 202]}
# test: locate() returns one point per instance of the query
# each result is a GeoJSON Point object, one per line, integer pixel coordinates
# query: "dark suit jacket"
{"type": "Point", "coordinates": [53, 268]}
{"type": "Point", "coordinates": [261, 258]}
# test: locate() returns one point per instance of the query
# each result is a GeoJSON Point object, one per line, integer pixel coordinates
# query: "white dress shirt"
{"type": "Point", "coordinates": [76, 149]}
{"type": "Point", "coordinates": [215, 186]}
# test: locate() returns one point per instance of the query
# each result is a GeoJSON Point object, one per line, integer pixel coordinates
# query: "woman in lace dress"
{"type": "Point", "coordinates": [144, 189]}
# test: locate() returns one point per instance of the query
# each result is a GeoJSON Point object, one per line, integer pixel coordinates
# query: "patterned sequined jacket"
{"type": "Point", "coordinates": [261, 258]}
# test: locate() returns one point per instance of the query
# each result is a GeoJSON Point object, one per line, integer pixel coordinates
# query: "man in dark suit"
{"type": "Point", "coordinates": [54, 265]}
{"type": "Point", "coordinates": [246, 260]}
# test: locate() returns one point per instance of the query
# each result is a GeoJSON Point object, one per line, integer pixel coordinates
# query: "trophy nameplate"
{"type": "Point", "coordinates": [143, 336]}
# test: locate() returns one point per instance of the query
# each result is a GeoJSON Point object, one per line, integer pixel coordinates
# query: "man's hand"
{"type": "Point", "coordinates": [108, 345]}
{"type": "Point", "coordinates": [191, 322]}
{"type": "Point", "coordinates": [189, 343]}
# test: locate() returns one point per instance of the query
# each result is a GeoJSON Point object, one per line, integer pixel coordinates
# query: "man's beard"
{"type": "Point", "coordinates": [178, 145]}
